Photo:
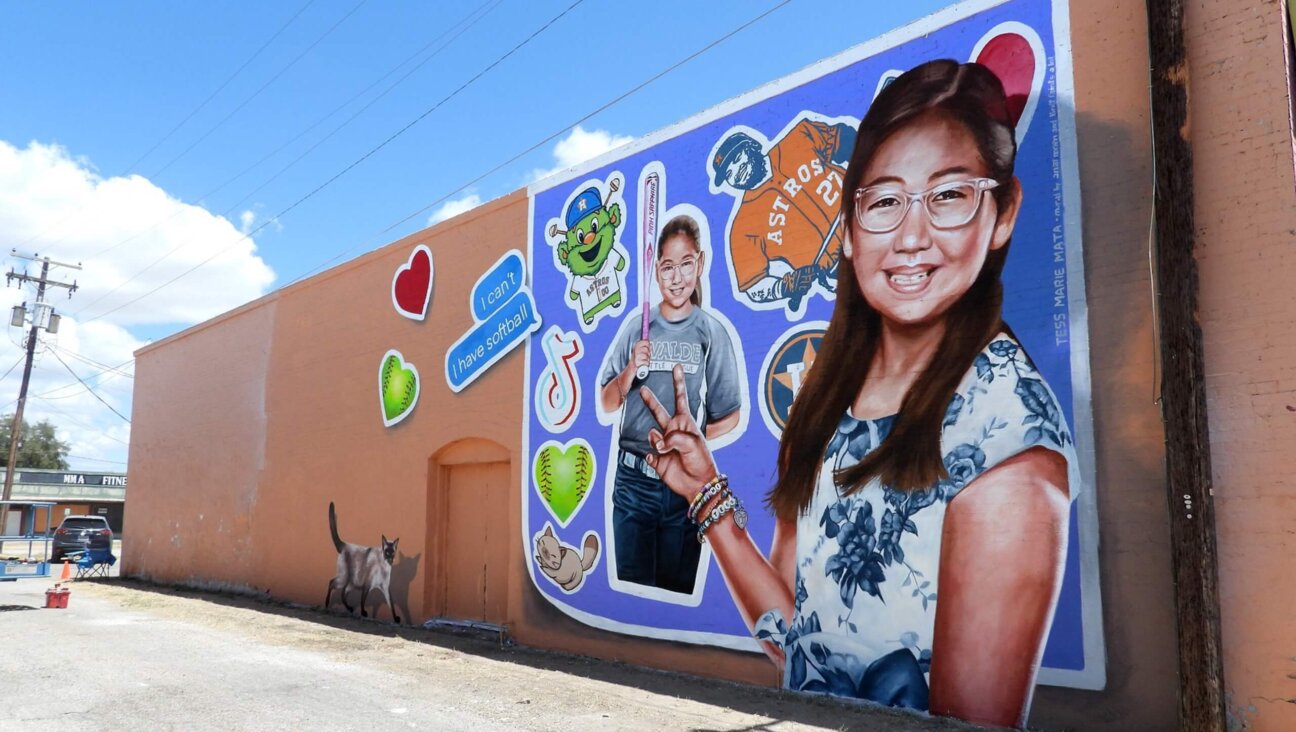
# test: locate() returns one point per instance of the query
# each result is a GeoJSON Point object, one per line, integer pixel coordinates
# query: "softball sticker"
{"type": "Point", "coordinates": [563, 475]}
{"type": "Point", "coordinates": [398, 387]}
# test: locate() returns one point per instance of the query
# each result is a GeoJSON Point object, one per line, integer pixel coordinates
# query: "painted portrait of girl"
{"type": "Point", "coordinates": [926, 471]}
{"type": "Point", "coordinates": [655, 544]}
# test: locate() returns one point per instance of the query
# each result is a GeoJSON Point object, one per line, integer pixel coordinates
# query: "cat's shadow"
{"type": "Point", "coordinates": [403, 572]}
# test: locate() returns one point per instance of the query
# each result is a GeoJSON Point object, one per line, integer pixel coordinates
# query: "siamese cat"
{"type": "Point", "coordinates": [365, 568]}
{"type": "Point", "coordinates": [563, 564]}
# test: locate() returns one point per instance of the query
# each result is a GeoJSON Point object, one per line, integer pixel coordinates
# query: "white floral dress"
{"type": "Point", "coordinates": [868, 563]}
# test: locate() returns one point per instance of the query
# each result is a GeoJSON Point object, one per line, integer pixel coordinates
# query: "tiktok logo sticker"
{"type": "Point", "coordinates": [786, 367]}
{"type": "Point", "coordinates": [557, 393]}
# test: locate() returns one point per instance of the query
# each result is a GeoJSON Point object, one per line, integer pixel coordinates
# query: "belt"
{"type": "Point", "coordinates": [630, 460]}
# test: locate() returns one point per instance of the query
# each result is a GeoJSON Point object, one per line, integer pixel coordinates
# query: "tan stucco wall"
{"type": "Point", "coordinates": [1245, 211]}
{"type": "Point", "coordinates": [1110, 62]}
{"type": "Point", "coordinates": [248, 413]}
{"type": "Point", "coordinates": [204, 427]}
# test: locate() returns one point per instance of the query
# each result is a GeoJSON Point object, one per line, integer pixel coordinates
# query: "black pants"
{"type": "Point", "coordinates": [656, 545]}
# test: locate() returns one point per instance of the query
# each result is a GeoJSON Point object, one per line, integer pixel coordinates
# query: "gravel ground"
{"type": "Point", "coordinates": [125, 655]}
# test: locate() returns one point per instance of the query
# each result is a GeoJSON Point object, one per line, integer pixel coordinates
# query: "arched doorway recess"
{"type": "Point", "coordinates": [469, 536]}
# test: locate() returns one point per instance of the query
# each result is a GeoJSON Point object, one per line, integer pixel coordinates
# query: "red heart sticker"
{"type": "Point", "coordinates": [412, 285]}
{"type": "Point", "coordinates": [1014, 53]}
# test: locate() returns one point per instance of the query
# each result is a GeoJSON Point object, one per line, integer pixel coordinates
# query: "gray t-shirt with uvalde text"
{"type": "Point", "coordinates": [702, 345]}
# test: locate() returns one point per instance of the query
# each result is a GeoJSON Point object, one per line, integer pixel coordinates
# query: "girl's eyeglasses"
{"type": "Point", "coordinates": [685, 269]}
{"type": "Point", "coordinates": [880, 209]}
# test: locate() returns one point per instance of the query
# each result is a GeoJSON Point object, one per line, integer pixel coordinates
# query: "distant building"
{"type": "Point", "coordinates": [74, 493]}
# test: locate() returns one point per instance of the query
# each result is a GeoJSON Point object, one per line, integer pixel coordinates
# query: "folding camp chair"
{"type": "Point", "coordinates": [95, 563]}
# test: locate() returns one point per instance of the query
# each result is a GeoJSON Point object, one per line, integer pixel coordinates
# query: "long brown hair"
{"type": "Point", "coordinates": [684, 225]}
{"type": "Point", "coordinates": [910, 457]}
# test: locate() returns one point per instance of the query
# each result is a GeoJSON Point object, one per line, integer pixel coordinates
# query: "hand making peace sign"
{"type": "Point", "coordinates": [682, 457]}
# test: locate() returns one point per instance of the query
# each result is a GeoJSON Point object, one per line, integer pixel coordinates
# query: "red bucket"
{"type": "Point", "coordinates": [57, 597]}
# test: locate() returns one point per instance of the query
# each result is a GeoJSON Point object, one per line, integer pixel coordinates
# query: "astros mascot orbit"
{"type": "Point", "coordinates": [589, 251]}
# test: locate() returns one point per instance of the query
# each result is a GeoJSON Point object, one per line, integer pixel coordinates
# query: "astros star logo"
{"type": "Point", "coordinates": [796, 371]}
{"type": "Point", "coordinates": [785, 371]}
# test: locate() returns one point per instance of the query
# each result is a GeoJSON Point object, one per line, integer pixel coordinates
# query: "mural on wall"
{"type": "Point", "coordinates": [881, 256]}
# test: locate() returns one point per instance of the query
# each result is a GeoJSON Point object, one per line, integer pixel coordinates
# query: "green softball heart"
{"type": "Point", "coordinates": [398, 387]}
{"type": "Point", "coordinates": [563, 476]}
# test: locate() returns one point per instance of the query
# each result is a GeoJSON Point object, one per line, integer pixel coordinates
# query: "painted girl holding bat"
{"type": "Point", "coordinates": [653, 541]}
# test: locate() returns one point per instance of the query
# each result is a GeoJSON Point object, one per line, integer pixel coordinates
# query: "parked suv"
{"type": "Point", "coordinates": [78, 533]}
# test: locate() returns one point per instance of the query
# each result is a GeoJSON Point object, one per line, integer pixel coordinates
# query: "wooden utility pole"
{"type": "Point", "coordinates": [1183, 388]}
{"type": "Point", "coordinates": [41, 316]}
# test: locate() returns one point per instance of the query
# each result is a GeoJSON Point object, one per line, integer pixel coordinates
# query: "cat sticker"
{"type": "Point", "coordinates": [565, 565]}
{"type": "Point", "coordinates": [364, 568]}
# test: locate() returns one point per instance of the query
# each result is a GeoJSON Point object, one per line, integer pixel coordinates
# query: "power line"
{"type": "Point", "coordinates": [104, 368]}
{"type": "Point", "coordinates": [53, 394]}
{"type": "Point", "coordinates": [11, 368]}
{"type": "Point", "coordinates": [224, 84]}
{"type": "Point", "coordinates": [78, 422]}
{"type": "Point", "coordinates": [262, 88]}
{"type": "Point", "coordinates": [348, 168]}
{"type": "Point", "coordinates": [182, 122]}
{"type": "Point", "coordinates": [103, 371]}
{"type": "Point", "coordinates": [88, 388]}
{"type": "Point", "coordinates": [545, 141]}
{"type": "Point", "coordinates": [471, 21]}
{"type": "Point", "coordinates": [363, 109]}
{"type": "Point", "coordinates": [306, 131]}
{"type": "Point", "coordinates": [96, 460]}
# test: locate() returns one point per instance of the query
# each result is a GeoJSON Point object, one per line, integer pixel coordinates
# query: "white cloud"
{"type": "Point", "coordinates": [579, 146]}
{"type": "Point", "coordinates": [130, 236]}
{"type": "Point", "coordinates": [454, 207]}
{"type": "Point", "coordinates": [57, 205]}
{"type": "Point", "coordinates": [97, 438]}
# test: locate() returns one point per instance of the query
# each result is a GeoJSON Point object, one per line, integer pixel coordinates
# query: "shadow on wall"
{"type": "Point", "coordinates": [1134, 564]}
{"type": "Point", "coordinates": [403, 572]}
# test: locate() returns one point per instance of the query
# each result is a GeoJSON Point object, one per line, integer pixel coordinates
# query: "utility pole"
{"type": "Point", "coordinates": [42, 316]}
{"type": "Point", "coordinates": [1183, 383]}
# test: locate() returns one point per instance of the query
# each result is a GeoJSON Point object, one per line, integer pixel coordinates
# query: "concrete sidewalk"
{"type": "Point", "coordinates": [130, 656]}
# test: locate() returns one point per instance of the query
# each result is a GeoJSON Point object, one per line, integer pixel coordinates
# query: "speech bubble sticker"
{"type": "Point", "coordinates": [398, 387]}
{"type": "Point", "coordinates": [504, 314]}
{"type": "Point", "coordinates": [501, 282]}
{"type": "Point", "coordinates": [411, 288]}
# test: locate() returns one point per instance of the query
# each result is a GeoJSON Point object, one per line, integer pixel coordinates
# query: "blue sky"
{"type": "Point", "coordinates": [143, 138]}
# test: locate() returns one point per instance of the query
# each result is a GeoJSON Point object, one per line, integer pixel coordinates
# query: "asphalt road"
{"type": "Point", "coordinates": [131, 656]}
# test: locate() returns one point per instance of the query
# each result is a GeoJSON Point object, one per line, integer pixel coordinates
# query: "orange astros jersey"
{"type": "Point", "coordinates": [788, 216]}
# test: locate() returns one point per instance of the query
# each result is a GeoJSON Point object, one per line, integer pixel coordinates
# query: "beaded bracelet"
{"type": "Point", "coordinates": [713, 486]}
{"type": "Point", "coordinates": [731, 504]}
